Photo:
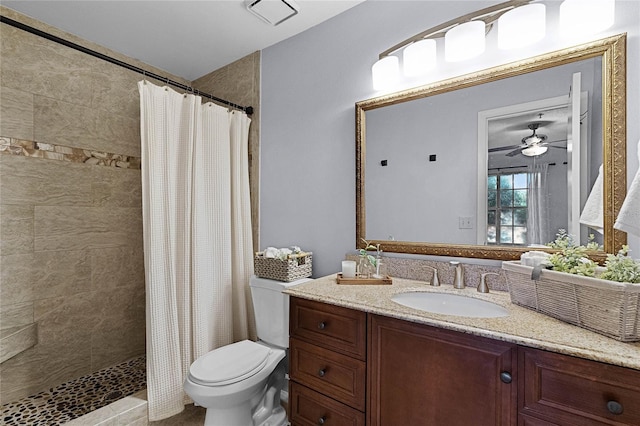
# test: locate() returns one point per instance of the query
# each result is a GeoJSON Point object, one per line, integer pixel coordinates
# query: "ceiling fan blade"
{"type": "Point", "coordinates": [559, 140]}
{"type": "Point", "coordinates": [558, 147]}
{"type": "Point", "coordinates": [514, 152]}
{"type": "Point", "coordinates": [504, 148]}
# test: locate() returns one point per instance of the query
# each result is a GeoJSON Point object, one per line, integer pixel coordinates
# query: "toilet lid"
{"type": "Point", "coordinates": [230, 364]}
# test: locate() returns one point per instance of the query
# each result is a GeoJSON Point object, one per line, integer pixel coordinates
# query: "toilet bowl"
{"type": "Point", "coordinates": [231, 382]}
{"type": "Point", "coordinates": [240, 384]}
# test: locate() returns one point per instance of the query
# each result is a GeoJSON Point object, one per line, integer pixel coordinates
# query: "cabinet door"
{"type": "Point", "coordinates": [421, 375]}
{"type": "Point", "coordinates": [573, 391]}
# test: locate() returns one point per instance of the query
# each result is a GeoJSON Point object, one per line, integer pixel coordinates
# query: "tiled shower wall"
{"type": "Point", "coordinates": [71, 256]}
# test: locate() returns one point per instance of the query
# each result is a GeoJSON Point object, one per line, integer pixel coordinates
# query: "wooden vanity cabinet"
{"type": "Point", "coordinates": [327, 364]}
{"type": "Point", "coordinates": [558, 389]}
{"type": "Point", "coordinates": [348, 368]}
{"type": "Point", "coordinates": [422, 375]}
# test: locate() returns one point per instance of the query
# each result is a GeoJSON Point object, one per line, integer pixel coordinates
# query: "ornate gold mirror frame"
{"type": "Point", "coordinates": [613, 53]}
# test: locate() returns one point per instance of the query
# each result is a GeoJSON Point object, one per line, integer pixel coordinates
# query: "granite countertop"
{"type": "Point", "coordinates": [522, 326]}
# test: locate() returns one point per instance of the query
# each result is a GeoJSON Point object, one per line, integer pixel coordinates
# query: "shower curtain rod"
{"type": "Point", "coordinates": [35, 31]}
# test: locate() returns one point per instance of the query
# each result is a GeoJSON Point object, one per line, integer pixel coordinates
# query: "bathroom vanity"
{"type": "Point", "coordinates": [359, 358]}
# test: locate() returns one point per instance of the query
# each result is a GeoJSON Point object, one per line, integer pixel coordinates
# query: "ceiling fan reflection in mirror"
{"type": "Point", "coordinates": [533, 145]}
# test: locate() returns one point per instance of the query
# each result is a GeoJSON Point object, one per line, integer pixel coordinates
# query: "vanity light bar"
{"type": "Point", "coordinates": [520, 24]}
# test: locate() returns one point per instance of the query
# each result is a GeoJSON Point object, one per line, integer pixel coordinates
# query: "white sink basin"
{"type": "Point", "coordinates": [450, 304]}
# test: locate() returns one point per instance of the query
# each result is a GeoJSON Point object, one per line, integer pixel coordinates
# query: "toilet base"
{"type": "Point", "coordinates": [261, 405]}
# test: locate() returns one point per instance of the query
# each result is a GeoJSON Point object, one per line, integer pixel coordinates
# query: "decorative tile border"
{"type": "Point", "coordinates": [48, 151]}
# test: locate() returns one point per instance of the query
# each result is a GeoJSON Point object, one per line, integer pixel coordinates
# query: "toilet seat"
{"type": "Point", "coordinates": [229, 364]}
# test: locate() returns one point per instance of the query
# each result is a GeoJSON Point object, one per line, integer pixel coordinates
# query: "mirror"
{"type": "Point", "coordinates": [443, 178]}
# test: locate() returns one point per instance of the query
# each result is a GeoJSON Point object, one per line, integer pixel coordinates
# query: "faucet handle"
{"type": "Point", "coordinates": [484, 287]}
{"type": "Point", "coordinates": [434, 280]}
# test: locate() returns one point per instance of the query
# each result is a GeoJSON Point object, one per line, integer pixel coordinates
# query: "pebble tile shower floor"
{"type": "Point", "coordinates": [77, 397]}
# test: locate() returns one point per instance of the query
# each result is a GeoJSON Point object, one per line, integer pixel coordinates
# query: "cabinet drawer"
{"type": "Point", "coordinates": [567, 390]}
{"type": "Point", "coordinates": [335, 375]}
{"type": "Point", "coordinates": [309, 408]}
{"type": "Point", "coordinates": [340, 329]}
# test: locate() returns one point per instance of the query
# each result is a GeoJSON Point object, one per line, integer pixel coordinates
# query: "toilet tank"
{"type": "Point", "coordinates": [271, 309]}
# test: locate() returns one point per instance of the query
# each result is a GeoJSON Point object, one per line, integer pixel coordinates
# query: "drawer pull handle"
{"type": "Point", "coordinates": [322, 372]}
{"type": "Point", "coordinates": [505, 377]}
{"type": "Point", "coordinates": [321, 420]}
{"type": "Point", "coordinates": [322, 325]}
{"type": "Point", "coordinates": [614, 407]}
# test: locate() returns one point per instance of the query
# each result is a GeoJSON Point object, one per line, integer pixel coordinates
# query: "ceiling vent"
{"type": "Point", "coordinates": [273, 12]}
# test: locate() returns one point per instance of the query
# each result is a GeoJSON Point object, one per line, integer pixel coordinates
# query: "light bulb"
{"type": "Point", "coordinates": [419, 57]}
{"type": "Point", "coordinates": [385, 72]}
{"type": "Point", "coordinates": [586, 17]}
{"type": "Point", "coordinates": [464, 41]}
{"type": "Point", "coordinates": [522, 26]}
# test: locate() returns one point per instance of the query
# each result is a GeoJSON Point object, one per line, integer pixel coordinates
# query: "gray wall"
{"type": "Point", "coordinates": [310, 84]}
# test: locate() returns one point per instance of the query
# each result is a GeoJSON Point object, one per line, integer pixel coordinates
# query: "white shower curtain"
{"type": "Point", "coordinates": [197, 236]}
{"type": "Point", "coordinates": [538, 205]}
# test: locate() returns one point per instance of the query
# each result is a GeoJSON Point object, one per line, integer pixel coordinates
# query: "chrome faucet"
{"type": "Point", "coordinates": [434, 279]}
{"type": "Point", "coordinates": [484, 287]}
{"type": "Point", "coordinates": [458, 278]}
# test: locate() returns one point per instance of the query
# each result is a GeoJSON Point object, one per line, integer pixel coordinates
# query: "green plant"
{"type": "Point", "coordinates": [622, 268]}
{"type": "Point", "coordinates": [571, 258]}
{"type": "Point", "coordinates": [364, 254]}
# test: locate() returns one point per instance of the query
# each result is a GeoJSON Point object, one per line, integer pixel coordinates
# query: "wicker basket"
{"type": "Point", "coordinates": [606, 307]}
{"type": "Point", "coordinates": [294, 267]}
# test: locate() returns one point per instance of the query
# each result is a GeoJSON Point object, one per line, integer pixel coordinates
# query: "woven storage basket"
{"type": "Point", "coordinates": [294, 267]}
{"type": "Point", "coordinates": [606, 307]}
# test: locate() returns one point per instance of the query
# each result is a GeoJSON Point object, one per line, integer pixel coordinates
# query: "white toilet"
{"type": "Point", "coordinates": [240, 384]}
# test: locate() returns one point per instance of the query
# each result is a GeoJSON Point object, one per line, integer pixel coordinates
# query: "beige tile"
{"type": "Point", "coordinates": [79, 126]}
{"type": "Point", "coordinates": [94, 418]}
{"type": "Point", "coordinates": [42, 67]}
{"type": "Point", "coordinates": [21, 375]}
{"type": "Point", "coordinates": [116, 187]}
{"type": "Point", "coordinates": [119, 134]}
{"type": "Point", "coordinates": [117, 267]}
{"type": "Point", "coordinates": [191, 416]}
{"type": "Point", "coordinates": [136, 415]}
{"type": "Point", "coordinates": [32, 181]}
{"type": "Point", "coordinates": [16, 113]}
{"type": "Point", "coordinates": [16, 279]}
{"type": "Point", "coordinates": [131, 410]}
{"type": "Point", "coordinates": [61, 273]}
{"type": "Point", "coordinates": [110, 346]}
{"type": "Point", "coordinates": [16, 340]}
{"type": "Point", "coordinates": [16, 315]}
{"type": "Point", "coordinates": [115, 89]}
{"type": "Point", "coordinates": [66, 123]}
{"type": "Point", "coordinates": [119, 333]}
{"type": "Point", "coordinates": [81, 228]}
{"type": "Point", "coordinates": [16, 229]}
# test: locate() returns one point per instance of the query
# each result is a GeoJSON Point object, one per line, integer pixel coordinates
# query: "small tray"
{"type": "Point", "coordinates": [386, 280]}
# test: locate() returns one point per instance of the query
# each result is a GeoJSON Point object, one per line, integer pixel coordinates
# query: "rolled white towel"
{"type": "Point", "coordinates": [271, 252]}
{"type": "Point", "coordinates": [628, 219]}
{"type": "Point", "coordinates": [592, 213]}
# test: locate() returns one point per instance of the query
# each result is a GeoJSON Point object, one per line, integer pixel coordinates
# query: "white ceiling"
{"type": "Point", "coordinates": [186, 38]}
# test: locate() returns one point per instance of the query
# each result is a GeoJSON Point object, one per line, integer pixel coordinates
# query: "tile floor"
{"type": "Point", "coordinates": [77, 397]}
